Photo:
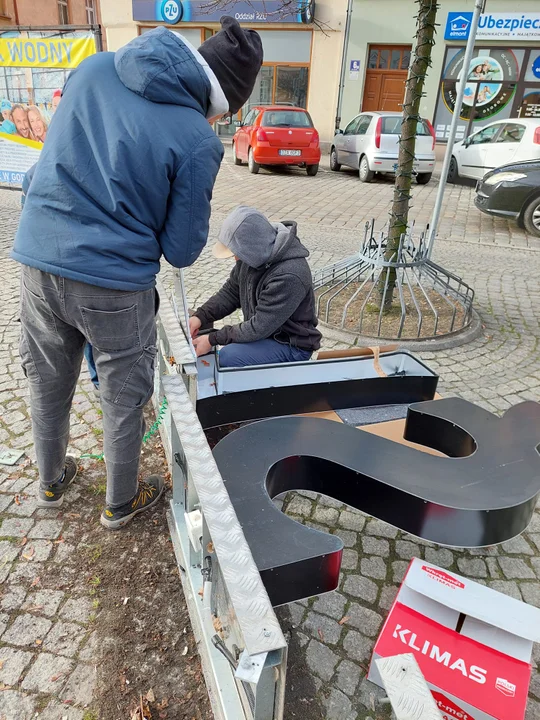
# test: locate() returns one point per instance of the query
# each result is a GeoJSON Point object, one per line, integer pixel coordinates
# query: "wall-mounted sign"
{"type": "Point", "coordinates": [245, 11]}
{"type": "Point", "coordinates": [494, 26]}
{"type": "Point", "coordinates": [354, 70]}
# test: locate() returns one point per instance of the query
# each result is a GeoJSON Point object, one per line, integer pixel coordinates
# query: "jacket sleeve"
{"type": "Point", "coordinates": [185, 231]}
{"type": "Point", "coordinates": [223, 303]}
{"type": "Point", "coordinates": [277, 303]}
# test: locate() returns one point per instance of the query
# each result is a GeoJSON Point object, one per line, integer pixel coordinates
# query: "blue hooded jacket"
{"type": "Point", "coordinates": [127, 171]}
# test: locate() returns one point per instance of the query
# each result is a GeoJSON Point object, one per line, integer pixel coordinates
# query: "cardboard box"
{"type": "Point", "coordinates": [472, 643]}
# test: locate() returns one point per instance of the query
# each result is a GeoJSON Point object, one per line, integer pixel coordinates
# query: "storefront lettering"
{"type": "Point", "coordinates": [526, 23]}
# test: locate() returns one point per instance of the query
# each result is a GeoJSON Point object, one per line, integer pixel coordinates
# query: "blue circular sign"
{"type": "Point", "coordinates": [536, 67]}
{"type": "Point", "coordinates": [172, 11]}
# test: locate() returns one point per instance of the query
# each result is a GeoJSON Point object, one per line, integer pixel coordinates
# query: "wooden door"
{"type": "Point", "coordinates": [386, 74]}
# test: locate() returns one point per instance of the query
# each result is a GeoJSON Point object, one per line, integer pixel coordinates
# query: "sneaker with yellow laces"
{"type": "Point", "coordinates": [148, 493]}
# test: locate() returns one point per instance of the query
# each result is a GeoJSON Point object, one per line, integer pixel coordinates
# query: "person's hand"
{"type": "Point", "coordinates": [194, 326]}
{"type": "Point", "coordinates": [202, 345]}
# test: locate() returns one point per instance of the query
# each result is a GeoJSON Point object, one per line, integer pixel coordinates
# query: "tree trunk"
{"type": "Point", "coordinates": [399, 214]}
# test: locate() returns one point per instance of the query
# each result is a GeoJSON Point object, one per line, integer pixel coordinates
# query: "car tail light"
{"type": "Point", "coordinates": [432, 131]}
{"type": "Point", "coordinates": [378, 130]}
{"type": "Point", "coordinates": [315, 138]}
{"type": "Point", "coordinates": [261, 136]}
{"type": "Point", "coordinates": [536, 138]}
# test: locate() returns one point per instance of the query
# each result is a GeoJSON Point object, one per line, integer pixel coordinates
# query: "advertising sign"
{"type": "Point", "coordinates": [33, 69]}
{"type": "Point", "coordinates": [245, 11]}
{"type": "Point", "coordinates": [494, 26]}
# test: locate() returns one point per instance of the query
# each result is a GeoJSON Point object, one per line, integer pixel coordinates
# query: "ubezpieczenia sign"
{"type": "Point", "coordinates": [494, 26]}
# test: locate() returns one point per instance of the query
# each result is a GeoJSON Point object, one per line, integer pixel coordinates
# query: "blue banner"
{"type": "Point", "coordinates": [173, 12]}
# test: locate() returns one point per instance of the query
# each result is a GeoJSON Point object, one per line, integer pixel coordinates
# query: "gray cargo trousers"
{"type": "Point", "coordinates": [57, 317]}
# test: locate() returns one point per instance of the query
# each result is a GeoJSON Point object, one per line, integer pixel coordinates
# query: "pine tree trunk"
{"type": "Point", "coordinates": [399, 214]}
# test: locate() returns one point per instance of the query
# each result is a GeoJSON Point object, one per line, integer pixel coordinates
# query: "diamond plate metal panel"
{"type": "Point", "coordinates": [409, 695]}
{"type": "Point", "coordinates": [254, 612]}
{"type": "Point", "coordinates": [178, 343]}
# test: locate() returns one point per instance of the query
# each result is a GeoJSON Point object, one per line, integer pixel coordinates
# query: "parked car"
{"type": "Point", "coordinates": [277, 135]}
{"type": "Point", "coordinates": [512, 191]}
{"type": "Point", "coordinates": [370, 144]}
{"type": "Point", "coordinates": [496, 144]}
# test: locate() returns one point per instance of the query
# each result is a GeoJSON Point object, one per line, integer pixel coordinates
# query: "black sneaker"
{"type": "Point", "coordinates": [53, 495]}
{"type": "Point", "coordinates": [148, 494]}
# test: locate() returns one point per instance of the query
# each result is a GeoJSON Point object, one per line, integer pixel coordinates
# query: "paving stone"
{"type": "Point", "coordinates": [80, 686]}
{"type": "Point", "coordinates": [361, 587]}
{"type": "Point", "coordinates": [349, 560]}
{"type": "Point", "coordinates": [388, 595]}
{"type": "Point", "coordinates": [90, 647]}
{"type": "Point", "coordinates": [332, 604]}
{"type": "Point", "coordinates": [4, 620]}
{"type": "Point", "coordinates": [338, 706]}
{"type": "Point", "coordinates": [64, 638]}
{"type": "Point", "coordinates": [326, 515]}
{"type": "Point", "coordinates": [63, 551]}
{"type": "Point", "coordinates": [441, 557]}
{"type": "Point", "coordinates": [352, 520]}
{"type": "Point", "coordinates": [535, 562]}
{"type": "Point", "coordinates": [37, 551]}
{"type": "Point", "coordinates": [16, 706]}
{"type": "Point", "coordinates": [13, 597]}
{"type": "Point", "coordinates": [25, 507]}
{"type": "Point", "coordinates": [517, 546]}
{"type": "Point", "coordinates": [507, 587]}
{"type": "Point", "coordinates": [15, 527]}
{"type": "Point", "coordinates": [475, 568]}
{"type": "Point", "coordinates": [12, 664]}
{"type": "Point", "coordinates": [357, 646]}
{"type": "Point", "coordinates": [322, 627]}
{"type": "Point", "coordinates": [25, 572]}
{"type": "Point", "coordinates": [77, 609]}
{"type": "Point", "coordinates": [296, 612]}
{"type": "Point", "coordinates": [349, 538]}
{"type": "Point", "coordinates": [374, 567]}
{"type": "Point", "coordinates": [375, 546]}
{"type": "Point", "coordinates": [5, 501]}
{"type": "Point", "coordinates": [61, 711]}
{"type": "Point", "coordinates": [321, 660]}
{"type": "Point", "coordinates": [380, 528]}
{"type": "Point", "coordinates": [493, 567]}
{"type": "Point", "coordinates": [300, 506]}
{"type": "Point", "coordinates": [48, 671]}
{"type": "Point", "coordinates": [407, 550]}
{"type": "Point", "coordinates": [26, 629]}
{"type": "Point", "coordinates": [8, 551]}
{"type": "Point", "coordinates": [399, 568]}
{"type": "Point", "coordinates": [531, 593]}
{"type": "Point", "coordinates": [48, 529]}
{"type": "Point", "coordinates": [366, 620]}
{"type": "Point", "coordinates": [348, 676]}
{"type": "Point", "coordinates": [43, 602]}
{"type": "Point", "coordinates": [515, 568]}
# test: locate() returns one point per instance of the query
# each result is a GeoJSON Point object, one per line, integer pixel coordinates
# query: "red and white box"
{"type": "Point", "coordinates": [473, 644]}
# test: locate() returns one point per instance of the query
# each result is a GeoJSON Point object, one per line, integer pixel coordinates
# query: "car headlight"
{"type": "Point", "coordinates": [503, 177]}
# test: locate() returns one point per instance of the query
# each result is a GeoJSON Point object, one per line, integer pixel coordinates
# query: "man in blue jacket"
{"type": "Point", "coordinates": [126, 176]}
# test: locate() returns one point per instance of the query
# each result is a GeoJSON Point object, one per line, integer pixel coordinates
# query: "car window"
{"type": "Point", "coordinates": [351, 127]}
{"type": "Point", "coordinates": [392, 126]}
{"type": "Point", "coordinates": [486, 135]}
{"type": "Point", "coordinates": [286, 118]}
{"type": "Point", "coordinates": [250, 117]}
{"type": "Point", "coordinates": [512, 132]}
{"type": "Point", "coordinates": [363, 124]}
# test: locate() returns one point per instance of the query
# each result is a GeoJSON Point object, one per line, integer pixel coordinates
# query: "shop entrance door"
{"type": "Point", "coordinates": [386, 74]}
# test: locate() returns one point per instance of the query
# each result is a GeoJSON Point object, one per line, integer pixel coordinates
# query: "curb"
{"type": "Point", "coordinates": [461, 337]}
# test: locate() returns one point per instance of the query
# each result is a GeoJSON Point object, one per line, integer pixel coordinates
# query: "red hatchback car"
{"type": "Point", "coordinates": [277, 135]}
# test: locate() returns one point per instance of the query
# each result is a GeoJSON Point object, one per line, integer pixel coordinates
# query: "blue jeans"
{"type": "Point", "coordinates": [89, 355]}
{"type": "Point", "coordinates": [261, 352]}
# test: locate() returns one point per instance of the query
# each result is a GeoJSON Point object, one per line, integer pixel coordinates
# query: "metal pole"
{"type": "Point", "coordinates": [344, 61]}
{"type": "Point", "coordinates": [478, 10]}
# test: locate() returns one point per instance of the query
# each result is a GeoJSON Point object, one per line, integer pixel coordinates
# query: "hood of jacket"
{"type": "Point", "coordinates": [161, 68]}
{"type": "Point", "coordinates": [253, 239]}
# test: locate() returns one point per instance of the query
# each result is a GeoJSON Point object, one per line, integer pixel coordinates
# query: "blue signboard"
{"type": "Point", "coordinates": [245, 11]}
{"type": "Point", "coordinates": [458, 25]}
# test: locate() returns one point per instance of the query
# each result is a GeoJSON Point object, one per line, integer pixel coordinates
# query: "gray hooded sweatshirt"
{"type": "Point", "coordinates": [271, 282]}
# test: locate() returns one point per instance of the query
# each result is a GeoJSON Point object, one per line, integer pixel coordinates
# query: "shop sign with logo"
{"type": "Point", "coordinates": [494, 26]}
{"type": "Point", "coordinates": [245, 11]}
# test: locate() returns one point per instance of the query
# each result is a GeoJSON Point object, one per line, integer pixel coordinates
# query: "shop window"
{"type": "Point", "coordinates": [511, 133]}
{"type": "Point", "coordinates": [63, 12]}
{"type": "Point", "coordinates": [291, 85]}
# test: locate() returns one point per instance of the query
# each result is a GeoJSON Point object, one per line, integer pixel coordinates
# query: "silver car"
{"type": "Point", "coordinates": [370, 144]}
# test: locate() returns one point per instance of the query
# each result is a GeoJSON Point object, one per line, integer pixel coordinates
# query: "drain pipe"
{"type": "Point", "coordinates": [478, 10]}
{"type": "Point", "coordinates": [344, 61]}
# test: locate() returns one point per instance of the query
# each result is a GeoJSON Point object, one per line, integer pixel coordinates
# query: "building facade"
{"type": "Point", "coordinates": [503, 80]}
{"type": "Point", "coordinates": [302, 58]}
{"type": "Point", "coordinates": [39, 13]}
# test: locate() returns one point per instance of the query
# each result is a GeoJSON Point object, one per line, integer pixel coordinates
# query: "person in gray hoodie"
{"type": "Point", "coordinates": [271, 282]}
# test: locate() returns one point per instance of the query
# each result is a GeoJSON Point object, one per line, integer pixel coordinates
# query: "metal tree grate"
{"type": "Point", "coordinates": [428, 301]}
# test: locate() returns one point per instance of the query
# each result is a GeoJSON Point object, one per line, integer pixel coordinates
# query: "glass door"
{"type": "Point", "coordinates": [291, 85]}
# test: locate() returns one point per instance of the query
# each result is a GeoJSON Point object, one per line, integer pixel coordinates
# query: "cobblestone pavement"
{"type": "Point", "coordinates": [45, 639]}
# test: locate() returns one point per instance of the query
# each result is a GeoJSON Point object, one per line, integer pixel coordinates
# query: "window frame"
{"type": "Point", "coordinates": [63, 11]}
{"type": "Point", "coordinates": [523, 129]}
{"type": "Point", "coordinates": [91, 12]}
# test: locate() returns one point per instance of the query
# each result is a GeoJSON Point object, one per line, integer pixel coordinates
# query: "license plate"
{"type": "Point", "coordinates": [415, 167]}
{"type": "Point", "coordinates": [294, 153]}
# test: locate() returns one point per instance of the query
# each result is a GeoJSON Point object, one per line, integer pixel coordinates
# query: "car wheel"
{"type": "Point", "coordinates": [334, 165]}
{"type": "Point", "coordinates": [253, 166]}
{"type": "Point", "coordinates": [366, 175]}
{"type": "Point", "coordinates": [531, 217]}
{"type": "Point", "coordinates": [453, 172]}
{"type": "Point", "coordinates": [236, 159]}
{"type": "Point", "coordinates": [312, 170]}
{"type": "Point", "coordinates": [423, 178]}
